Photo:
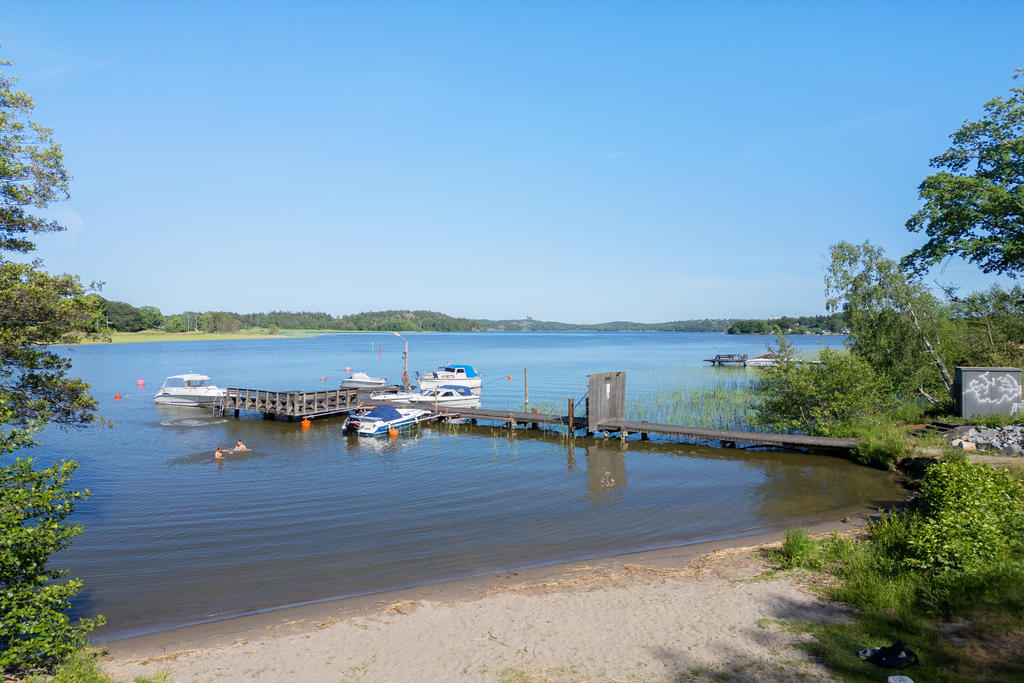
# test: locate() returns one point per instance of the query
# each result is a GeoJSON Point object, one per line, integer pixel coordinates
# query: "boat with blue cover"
{"type": "Point", "coordinates": [452, 374]}
{"type": "Point", "coordinates": [383, 418]}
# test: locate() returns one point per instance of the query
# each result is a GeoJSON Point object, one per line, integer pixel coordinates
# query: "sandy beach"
{"type": "Point", "coordinates": [697, 612]}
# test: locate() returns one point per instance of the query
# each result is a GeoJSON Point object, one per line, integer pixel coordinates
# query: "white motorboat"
{"type": "Point", "coordinates": [189, 390]}
{"type": "Point", "coordinates": [360, 380]}
{"type": "Point", "coordinates": [401, 397]}
{"type": "Point", "coordinates": [445, 396]}
{"type": "Point", "coordinates": [763, 360]}
{"type": "Point", "coordinates": [452, 375]}
{"type": "Point", "coordinates": [382, 419]}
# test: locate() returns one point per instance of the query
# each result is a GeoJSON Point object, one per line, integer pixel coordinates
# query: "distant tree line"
{"type": "Point", "coordinates": [805, 324]}
{"type": "Point", "coordinates": [120, 316]}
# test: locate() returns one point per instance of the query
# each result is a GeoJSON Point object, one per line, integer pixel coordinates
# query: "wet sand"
{"type": "Point", "coordinates": [702, 610]}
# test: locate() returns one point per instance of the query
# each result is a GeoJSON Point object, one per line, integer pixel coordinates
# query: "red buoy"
{"type": "Point", "coordinates": [117, 396]}
{"type": "Point", "coordinates": [141, 382]}
{"type": "Point", "coordinates": [323, 379]}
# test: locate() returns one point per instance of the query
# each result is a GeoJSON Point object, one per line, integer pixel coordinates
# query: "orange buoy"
{"type": "Point", "coordinates": [393, 433]}
{"type": "Point", "coordinates": [141, 382]}
{"type": "Point", "coordinates": [509, 377]}
{"type": "Point", "coordinates": [323, 379]}
{"type": "Point", "coordinates": [117, 396]}
{"type": "Point", "coordinates": [348, 369]}
{"type": "Point", "coordinates": [306, 423]}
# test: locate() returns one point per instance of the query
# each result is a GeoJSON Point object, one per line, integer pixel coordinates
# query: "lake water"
{"type": "Point", "coordinates": [174, 537]}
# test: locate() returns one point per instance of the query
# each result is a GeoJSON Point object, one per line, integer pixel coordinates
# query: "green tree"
{"type": "Point", "coordinates": [897, 326]}
{"type": "Point", "coordinates": [822, 398]}
{"type": "Point", "coordinates": [37, 309]}
{"type": "Point", "coordinates": [151, 317]}
{"type": "Point", "coordinates": [974, 206]}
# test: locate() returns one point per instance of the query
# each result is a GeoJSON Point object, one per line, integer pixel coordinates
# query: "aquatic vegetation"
{"type": "Point", "coordinates": [716, 398]}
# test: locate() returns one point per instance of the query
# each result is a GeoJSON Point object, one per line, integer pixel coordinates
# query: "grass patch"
{"type": "Point", "coordinates": [83, 667]}
{"type": "Point", "coordinates": [158, 336]}
{"type": "Point", "coordinates": [946, 576]}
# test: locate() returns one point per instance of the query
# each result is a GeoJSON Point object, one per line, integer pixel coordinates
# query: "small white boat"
{"type": "Point", "coordinates": [445, 396]}
{"type": "Point", "coordinates": [452, 375]}
{"type": "Point", "coordinates": [189, 390]}
{"type": "Point", "coordinates": [402, 397]}
{"type": "Point", "coordinates": [763, 360]}
{"type": "Point", "coordinates": [360, 380]}
{"type": "Point", "coordinates": [383, 418]}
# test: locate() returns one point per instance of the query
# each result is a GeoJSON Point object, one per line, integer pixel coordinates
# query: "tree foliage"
{"type": "Point", "coordinates": [897, 326]}
{"type": "Point", "coordinates": [974, 206]}
{"type": "Point", "coordinates": [35, 630]}
{"type": "Point", "coordinates": [822, 398]}
{"type": "Point", "coordinates": [37, 309]}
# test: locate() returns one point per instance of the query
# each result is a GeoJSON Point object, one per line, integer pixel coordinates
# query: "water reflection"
{"type": "Point", "coordinates": [606, 471]}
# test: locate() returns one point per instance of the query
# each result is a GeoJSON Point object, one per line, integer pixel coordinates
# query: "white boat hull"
{"type": "Point", "coordinates": [429, 402]}
{"type": "Point", "coordinates": [473, 384]}
{"type": "Point", "coordinates": [189, 400]}
{"type": "Point", "coordinates": [367, 425]}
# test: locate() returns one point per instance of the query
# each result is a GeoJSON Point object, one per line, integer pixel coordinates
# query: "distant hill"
{"type": "Point", "coordinates": [124, 317]}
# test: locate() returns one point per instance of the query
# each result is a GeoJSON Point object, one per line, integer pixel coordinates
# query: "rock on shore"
{"type": "Point", "coordinates": [1008, 440]}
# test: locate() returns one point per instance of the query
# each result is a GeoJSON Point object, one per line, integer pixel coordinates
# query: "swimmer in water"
{"type": "Point", "coordinates": [221, 452]}
{"type": "Point", "coordinates": [239, 446]}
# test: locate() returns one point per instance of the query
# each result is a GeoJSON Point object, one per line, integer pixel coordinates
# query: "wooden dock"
{"type": "Point", "coordinates": [313, 404]}
{"type": "Point", "coordinates": [728, 359]}
{"type": "Point", "coordinates": [730, 438]}
{"type": "Point", "coordinates": [726, 438]}
{"type": "Point", "coordinates": [291, 404]}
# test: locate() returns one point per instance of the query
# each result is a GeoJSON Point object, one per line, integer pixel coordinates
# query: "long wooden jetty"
{"type": "Point", "coordinates": [314, 404]}
{"type": "Point", "coordinates": [730, 438]}
{"type": "Point", "coordinates": [726, 438]}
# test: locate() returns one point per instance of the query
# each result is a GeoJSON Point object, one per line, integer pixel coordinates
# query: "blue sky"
{"type": "Point", "coordinates": [574, 161]}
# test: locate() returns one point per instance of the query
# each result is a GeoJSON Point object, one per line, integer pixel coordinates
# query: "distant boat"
{"type": "Point", "coordinates": [763, 360]}
{"type": "Point", "coordinates": [452, 375]}
{"type": "Point", "coordinates": [382, 419]}
{"type": "Point", "coordinates": [360, 380]}
{"type": "Point", "coordinates": [189, 390]}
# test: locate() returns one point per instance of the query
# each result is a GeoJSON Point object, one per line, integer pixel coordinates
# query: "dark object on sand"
{"type": "Point", "coordinates": [896, 656]}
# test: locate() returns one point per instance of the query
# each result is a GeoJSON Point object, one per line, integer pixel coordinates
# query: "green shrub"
{"type": "Point", "coordinates": [35, 631]}
{"type": "Point", "coordinates": [973, 516]}
{"type": "Point", "coordinates": [881, 443]}
{"type": "Point", "coordinates": [822, 398]}
{"type": "Point", "coordinates": [798, 550]}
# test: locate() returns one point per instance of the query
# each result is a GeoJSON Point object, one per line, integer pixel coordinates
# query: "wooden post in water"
{"type": "Point", "coordinates": [526, 386]}
{"type": "Point", "coordinates": [571, 410]}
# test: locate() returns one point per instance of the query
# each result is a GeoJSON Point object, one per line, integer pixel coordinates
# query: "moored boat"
{"type": "Point", "coordinates": [190, 390]}
{"type": "Point", "coordinates": [360, 380]}
{"type": "Point", "coordinates": [383, 418]}
{"type": "Point", "coordinates": [763, 360]}
{"type": "Point", "coordinates": [452, 375]}
{"type": "Point", "coordinates": [445, 396]}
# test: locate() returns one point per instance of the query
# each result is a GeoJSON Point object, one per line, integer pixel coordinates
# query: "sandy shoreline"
{"type": "Point", "coordinates": [693, 611]}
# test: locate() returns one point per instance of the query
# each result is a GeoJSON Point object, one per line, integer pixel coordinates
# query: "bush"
{"type": "Point", "coordinates": [820, 398]}
{"type": "Point", "coordinates": [973, 517]}
{"type": "Point", "coordinates": [881, 443]}
{"type": "Point", "coordinates": [35, 631]}
{"type": "Point", "coordinates": [798, 550]}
